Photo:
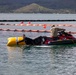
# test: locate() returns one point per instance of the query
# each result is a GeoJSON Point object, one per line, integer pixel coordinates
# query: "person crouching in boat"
{"type": "Point", "coordinates": [27, 40]}
{"type": "Point", "coordinates": [54, 32]}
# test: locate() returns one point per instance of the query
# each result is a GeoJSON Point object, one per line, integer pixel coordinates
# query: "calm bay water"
{"type": "Point", "coordinates": [22, 60]}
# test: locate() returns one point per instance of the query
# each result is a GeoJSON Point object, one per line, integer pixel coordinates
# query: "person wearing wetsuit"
{"type": "Point", "coordinates": [27, 40]}
{"type": "Point", "coordinates": [37, 41]}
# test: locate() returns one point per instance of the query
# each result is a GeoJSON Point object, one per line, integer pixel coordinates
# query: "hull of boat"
{"type": "Point", "coordinates": [62, 42]}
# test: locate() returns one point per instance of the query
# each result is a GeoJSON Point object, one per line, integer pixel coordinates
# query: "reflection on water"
{"type": "Point", "coordinates": [14, 53]}
{"type": "Point", "coordinates": [43, 60]}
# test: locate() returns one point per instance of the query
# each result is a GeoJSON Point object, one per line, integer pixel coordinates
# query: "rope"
{"type": "Point", "coordinates": [44, 25]}
{"type": "Point", "coordinates": [19, 30]}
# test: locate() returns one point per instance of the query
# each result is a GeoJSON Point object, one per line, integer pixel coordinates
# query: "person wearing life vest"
{"type": "Point", "coordinates": [54, 32]}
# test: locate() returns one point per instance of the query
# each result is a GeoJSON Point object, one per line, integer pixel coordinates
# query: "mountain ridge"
{"type": "Point", "coordinates": [35, 8]}
{"type": "Point", "coordinates": [9, 5]}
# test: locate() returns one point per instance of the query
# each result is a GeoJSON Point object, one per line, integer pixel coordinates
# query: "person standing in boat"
{"type": "Point", "coordinates": [27, 40]}
{"type": "Point", "coordinates": [54, 32]}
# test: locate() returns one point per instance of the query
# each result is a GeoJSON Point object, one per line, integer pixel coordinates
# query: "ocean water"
{"type": "Point", "coordinates": [36, 60]}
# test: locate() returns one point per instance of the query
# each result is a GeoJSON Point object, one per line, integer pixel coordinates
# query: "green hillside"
{"type": "Point", "coordinates": [35, 8]}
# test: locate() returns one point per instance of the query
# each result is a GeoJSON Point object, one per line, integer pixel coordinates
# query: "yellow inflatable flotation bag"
{"type": "Point", "coordinates": [13, 41]}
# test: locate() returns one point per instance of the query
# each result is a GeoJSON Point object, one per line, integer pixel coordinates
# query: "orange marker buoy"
{"type": "Point", "coordinates": [44, 26]}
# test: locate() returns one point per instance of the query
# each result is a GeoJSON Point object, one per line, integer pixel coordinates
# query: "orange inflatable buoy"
{"type": "Point", "coordinates": [44, 26]}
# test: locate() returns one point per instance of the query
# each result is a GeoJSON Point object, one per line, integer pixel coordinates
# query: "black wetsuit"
{"type": "Point", "coordinates": [37, 41]}
{"type": "Point", "coordinates": [27, 40]}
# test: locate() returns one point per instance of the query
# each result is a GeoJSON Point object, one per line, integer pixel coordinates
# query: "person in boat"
{"type": "Point", "coordinates": [27, 40]}
{"type": "Point", "coordinates": [55, 31]}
